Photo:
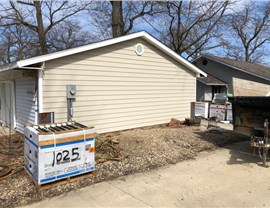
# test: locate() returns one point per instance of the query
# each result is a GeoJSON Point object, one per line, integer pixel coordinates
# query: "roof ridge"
{"type": "Point", "coordinates": [236, 60]}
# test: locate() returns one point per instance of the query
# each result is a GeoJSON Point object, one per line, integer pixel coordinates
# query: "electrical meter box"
{"type": "Point", "coordinates": [71, 91]}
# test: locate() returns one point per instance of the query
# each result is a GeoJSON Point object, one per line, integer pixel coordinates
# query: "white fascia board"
{"type": "Point", "coordinates": [76, 50]}
{"type": "Point", "coordinates": [104, 43]}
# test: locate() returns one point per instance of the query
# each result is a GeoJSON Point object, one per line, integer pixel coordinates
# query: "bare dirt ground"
{"type": "Point", "coordinates": [117, 154]}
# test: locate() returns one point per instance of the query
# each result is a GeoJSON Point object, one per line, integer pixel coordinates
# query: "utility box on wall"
{"type": "Point", "coordinates": [57, 151]}
{"type": "Point", "coordinates": [71, 91]}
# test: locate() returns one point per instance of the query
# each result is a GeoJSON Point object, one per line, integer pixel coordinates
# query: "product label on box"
{"type": "Point", "coordinates": [66, 155]}
{"type": "Point", "coordinates": [65, 160]}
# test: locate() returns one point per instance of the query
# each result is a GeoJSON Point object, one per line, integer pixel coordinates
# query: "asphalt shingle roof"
{"type": "Point", "coordinates": [253, 68]}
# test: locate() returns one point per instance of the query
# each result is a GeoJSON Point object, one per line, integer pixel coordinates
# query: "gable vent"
{"type": "Point", "coordinates": [139, 49]}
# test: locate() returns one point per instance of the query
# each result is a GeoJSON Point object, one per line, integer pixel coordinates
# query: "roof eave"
{"type": "Point", "coordinates": [9, 66]}
{"type": "Point", "coordinates": [67, 52]}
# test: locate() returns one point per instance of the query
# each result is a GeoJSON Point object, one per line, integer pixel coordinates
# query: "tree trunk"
{"type": "Point", "coordinates": [247, 54]}
{"type": "Point", "coordinates": [40, 27]}
{"type": "Point", "coordinates": [117, 19]}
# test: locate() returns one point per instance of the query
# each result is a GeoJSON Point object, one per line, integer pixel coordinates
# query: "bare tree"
{"type": "Point", "coordinates": [68, 34]}
{"type": "Point", "coordinates": [6, 45]}
{"type": "Point", "coordinates": [188, 27]}
{"type": "Point", "coordinates": [250, 32]}
{"type": "Point", "coordinates": [121, 25]}
{"type": "Point", "coordinates": [117, 18]}
{"type": "Point", "coordinates": [39, 16]}
{"type": "Point", "coordinates": [17, 42]}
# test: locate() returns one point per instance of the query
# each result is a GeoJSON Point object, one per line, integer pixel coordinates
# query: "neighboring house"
{"type": "Point", "coordinates": [126, 82]}
{"type": "Point", "coordinates": [241, 78]}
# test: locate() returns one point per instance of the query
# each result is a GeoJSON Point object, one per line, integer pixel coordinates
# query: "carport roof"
{"type": "Point", "coordinates": [144, 35]}
{"type": "Point", "coordinates": [210, 80]}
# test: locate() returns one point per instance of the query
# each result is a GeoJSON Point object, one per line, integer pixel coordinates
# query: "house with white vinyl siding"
{"type": "Point", "coordinates": [121, 83]}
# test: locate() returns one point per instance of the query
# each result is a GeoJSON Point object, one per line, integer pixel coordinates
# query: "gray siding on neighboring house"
{"type": "Point", "coordinates": [200, 91]}
{"type": "Point", "coordinates": [225, 73]}
{"type": "Point", "coordinates": [26, 104]}
{"type": "Point", "coordinates": [207, 92]}
{"type": "Point", "coordinates": [117, 89]}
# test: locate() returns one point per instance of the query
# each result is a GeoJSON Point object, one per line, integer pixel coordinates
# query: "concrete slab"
{"type": "Point", "coordinates": [229, 177]}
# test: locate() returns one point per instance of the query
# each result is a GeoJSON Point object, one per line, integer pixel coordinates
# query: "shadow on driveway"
{"type": "Point", "coordinates": [238, 144]}
{"type": "Point", "coordinates": [242, 153]}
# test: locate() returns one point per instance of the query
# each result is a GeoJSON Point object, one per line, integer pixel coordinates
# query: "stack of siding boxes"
{"type": "Point", "coordinates": [57, 151]}
{"type": "Point", "coordinates": [218, 107]}
{"type": "Point", "coordinates": [218, 111]}
{"type": "Point", "coordinates": [205, 110]}
{"type": "Point", "coordinates": [200, 109]}
{"type": "Point", "coordinates": [229, 114]}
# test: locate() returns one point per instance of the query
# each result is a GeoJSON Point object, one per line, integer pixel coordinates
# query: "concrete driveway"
{"type": "Point", "coordinates": [228, 177]}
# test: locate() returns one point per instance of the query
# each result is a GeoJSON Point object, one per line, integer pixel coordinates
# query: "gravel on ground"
{"type": "Point", "coordinates": [117, 154]}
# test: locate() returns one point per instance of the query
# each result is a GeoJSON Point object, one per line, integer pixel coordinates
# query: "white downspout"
{"type": "Point", "coordinates": [40, 90]}
{"type": "Point", "coordinates": [13, 105]}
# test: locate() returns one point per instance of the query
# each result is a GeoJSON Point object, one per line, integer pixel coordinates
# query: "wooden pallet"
{"type": "Point", "coordinates": [63, 181]}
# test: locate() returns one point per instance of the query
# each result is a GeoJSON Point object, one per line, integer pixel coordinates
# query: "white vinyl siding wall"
{"type": "Point", "coordinates": [116, 89]}
{"type": "Point", "coordinates": [7, 116]}
{"type": "Point", "coordinates": [26, 104]}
